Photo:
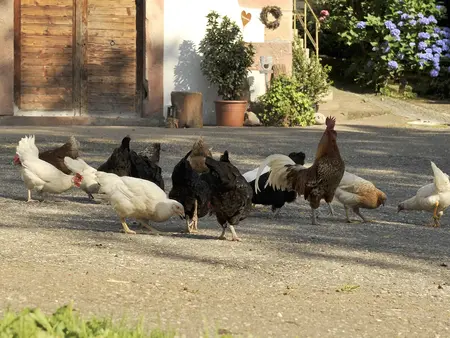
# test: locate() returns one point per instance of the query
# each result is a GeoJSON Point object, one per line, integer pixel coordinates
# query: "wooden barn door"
{"type": "Point", "coordinates": [83, 56]}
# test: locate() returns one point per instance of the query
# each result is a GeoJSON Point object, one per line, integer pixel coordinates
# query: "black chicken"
{"type": "Point", "coordinates": [126, 162]}
{"type": "Point", "coordinates": [191, 191]}
{"type": "Point", "coordinates": [269, 195]}
{"type": "Point", "coordinates": [231, 195]}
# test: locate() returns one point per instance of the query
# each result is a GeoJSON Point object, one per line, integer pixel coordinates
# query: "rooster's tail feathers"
{"type": "Point", "coordinates": [441, 180]}
{"type": "Point", "coordinates": [78, 166]}
{"type": "Point", "coordinates": [74, 143]}
{"type": "Point", "coordinates": [27, 146]}
{"type": "Point", "coordinates": [278, 165]}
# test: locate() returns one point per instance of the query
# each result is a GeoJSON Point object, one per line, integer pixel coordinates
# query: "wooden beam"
{"type": "Point", "coordinates": [79, 39]}
{"type": "Point", "coordinates": [17, 52]}
{"type": "Point", "coordinates": [140, 55]}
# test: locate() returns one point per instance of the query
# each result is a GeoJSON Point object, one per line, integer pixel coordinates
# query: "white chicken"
{"type": "Point", "coordinates": [38, 174]}
{"type": "Point", "coordinates": [89, 183]}
{"type": "Point", "coordinates": [130, 197]}
{"type": "Point", "coordinates": [355, 192]}
{"type": "Point", "coordinates": [431, 197]}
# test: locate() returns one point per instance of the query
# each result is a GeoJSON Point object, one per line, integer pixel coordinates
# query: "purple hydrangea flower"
{"type": "Point", "coordinates": [424, 21]}
{"type": "Point", "coordinates": [434, 35]}
{"type": "Point", "coordinates": [386, 49]}
{"type": "Point", "coordinates": [424, 35]}
{"type": "Point", "coordinates": [390, 25]}
{"type": "Point", "coordinates": [420, 15]}
{"type": "Point", "coordinates": [392, 65]}
{"type": "Point", "coordinates": [404, 16]}
{"type": "Point", "coordinates": [412, 22]}
{"type": "Point", "coordinates": [428, 51]}
{"type": "Point", "coordinates": [361, 25]}
{"type": "Point", "coordinates": [396, 33]}
{"type": "Point", "coordinates": [399, 12]}
{"type": "Point", "coordinates": [437, 30]}
{"type": "Point", "coordinates": [437, 49]}
{"type": "Point", "coordinates": [434, 73]}
{"type": "Point", "coordinates": [421, 62]}
{"type": "Point", "coordinates": [400, 24]}
{"type": "Point", "coordinates": [439, 7]}
{"type": "Point", "coordinates": [432, 19]}
{"type": "Point", "coordinates": [440, 42]}
{"type": "Point", "coordinates": [422, 45]}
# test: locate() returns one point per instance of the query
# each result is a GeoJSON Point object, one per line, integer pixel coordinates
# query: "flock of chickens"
{"type": "Point", "coordinates": [201, 185]}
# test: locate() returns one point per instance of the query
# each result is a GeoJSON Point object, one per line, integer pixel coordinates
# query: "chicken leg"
{"type": "Point", "coordinates": [314, 217]}
{"type": "Point", "coordinates": [29, 197]}
{"type": "Point", "coordinates": [145, 224]}
{"type": "Point", "coordinates": [222, 235]}
{"type": "Point", "coordinates": [356, 211]}
{"type": "Point", "coordinates": [126, 229]}
{"type": "Point", "coordinates": [194, 221]}
{"type": "Point", "coordinates": [436, 217]}
{"type": "Point", "coordinates": [275, 212]}
{"type": "Point", "coordinates": [347, 215]}
{"type": "Point", "coordinates": [234, 236]}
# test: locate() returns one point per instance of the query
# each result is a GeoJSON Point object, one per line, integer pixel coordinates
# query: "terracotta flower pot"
{"type": "Point", "coordinates": [230, 113]}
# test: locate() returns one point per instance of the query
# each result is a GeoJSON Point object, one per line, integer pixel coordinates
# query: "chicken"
{"type": "Point", "coordinates": [231, 194]}
{"type": "Point", "coordinates": [191, 191]}
{"type": "Point", "coordinates": [126, 162]}
{"type": "Point", "coordinates": [433, 197]}
{"type": "Point", "coordinates": [315, 183]}
{"type": "Point", "coordinates": [269, 195]}
{"type": "Point", "coordinates": [132, 197]}
{"type": "Point", "coordinates": [355, 192]}
{"type": "Point", "coordinates": [89, 183]}
{"type": "Point", "coordinates": [152, 152]}
{"type": "Point", "coordinates": [56, 156]}
{"type": "Point", "coordinates": [38, 174]}
{"type": "Point", "coordinates": [197, 158]}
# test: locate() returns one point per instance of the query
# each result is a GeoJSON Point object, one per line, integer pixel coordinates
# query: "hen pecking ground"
{"type": "Point", "coordinates": [286, 278]}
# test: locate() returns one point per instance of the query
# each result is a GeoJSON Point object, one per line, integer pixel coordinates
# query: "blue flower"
{"type": "Point", "coordinates": [361, 25]}
{"type": "Point", "coordinates": [396, 33]}
{"type": "Point", "coordinates": [390, 25]}
{"type": "Point", "coordinates": [437, 49]}
{"type": "Point", "coordinates": [434, 73]}
{"type": "Point", "coordinates": [445, 48]}
{"type": "Point", "coordinates": [432, 19]}
{"type": "Point", "coordinates": [440, 42]}
{"type": "Point", "coordinates": [434, 35]}
{"type": "Point", "coordinates": [399, 12]}
{"type": "Point", "coordinates": [422, 45]}
{"type": "Point", "coordinates": [421, 62]}
{"type": "Point", "coordinates": [428, 51]}
{"type": "Point", "coordinates": [425, 56]}
{"type": "Point", "coordinates": [424, 35]}
{"type": "Point", "coordinates": [404, 16]}
{"type": "Point", "coordinates": [412, 22]}
{"type": "Point", "coordinates": [386, 49]}
{"type": "Point", "coordinates": [438, 7]}
{"type": "Point", "coordinates": [437, 30]}
{"type": "Point", "coordinates": [424, 21]}
{"type": "Point", "coordinates": [392, 65]}
{"type": "Point", "coordinates": [420, 15]}
{"type": "Point", "coordinates": [400, 24]}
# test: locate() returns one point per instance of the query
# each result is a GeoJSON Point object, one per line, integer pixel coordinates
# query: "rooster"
{"type": "Point", "coordinates": [433, 197]}
{"type": "Point", "coordinates": [231, 194]}
{"type": "Point", "coordinates": [355, 192]}
{"type": "Point", "coordinates": [189, 189]}
{"type": "Point", "coordinates": [130, 197]}
{"type": "Point", "coordinates": [315, 183]}
{"type": "Point", "coordinates": [38, 174]}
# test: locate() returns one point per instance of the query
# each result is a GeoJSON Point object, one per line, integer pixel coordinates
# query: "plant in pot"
{"type": "Point", "coordinates": [225, 63]}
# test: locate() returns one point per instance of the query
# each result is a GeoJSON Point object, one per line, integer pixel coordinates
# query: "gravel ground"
{"type": "Point", "coordinates": [286, 278]}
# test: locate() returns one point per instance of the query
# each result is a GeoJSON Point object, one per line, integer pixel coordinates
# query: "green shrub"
{"type": "Point", "coordinates": [226, 57]}
{"type": "Point", "coordinates": [285, 105]}
{"type": "Point", "coordinates": [391, 39]}
{"type": "Point", "coordinates": [311, 76]}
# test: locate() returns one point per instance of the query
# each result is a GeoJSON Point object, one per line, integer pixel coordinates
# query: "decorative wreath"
{"type": "Point", "coordinates": [276, 13]}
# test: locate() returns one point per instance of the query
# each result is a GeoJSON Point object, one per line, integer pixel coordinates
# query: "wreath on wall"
{"type": "Point", "coordinates": [276, 13]}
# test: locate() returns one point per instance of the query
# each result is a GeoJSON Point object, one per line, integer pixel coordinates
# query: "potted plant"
{"type": "Point", "coordinates": [225, 63]}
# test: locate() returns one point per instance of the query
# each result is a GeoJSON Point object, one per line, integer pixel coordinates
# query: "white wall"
{"type": "Point", "coordinates": [184, 28]}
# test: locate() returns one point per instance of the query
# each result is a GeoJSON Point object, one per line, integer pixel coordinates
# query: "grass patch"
{"type": "Point", "coordinates": [66, 322]}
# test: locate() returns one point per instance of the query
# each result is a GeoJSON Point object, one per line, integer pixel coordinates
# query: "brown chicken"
{"type": "Point", "coordinates": [197, 158]}
{"type": "Point", "coordinates": [315, 183]}
{"type": "Point", "coordinates": [56, 156]}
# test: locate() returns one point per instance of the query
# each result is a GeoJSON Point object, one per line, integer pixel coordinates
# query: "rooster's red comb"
{"type": "Point", "coordinates": [330, 122]}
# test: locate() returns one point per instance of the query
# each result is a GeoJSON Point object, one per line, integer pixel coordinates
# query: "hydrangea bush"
{"type": "Point", "coordinates": [401, 41]}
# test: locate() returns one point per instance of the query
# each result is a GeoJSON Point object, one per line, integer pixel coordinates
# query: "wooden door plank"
{"type": "Point", "coordinates": [17, 50]}
{"type": "Point", "coordinates": [79, 60]}
{"type": "Point", "coordinates": [140, 57]}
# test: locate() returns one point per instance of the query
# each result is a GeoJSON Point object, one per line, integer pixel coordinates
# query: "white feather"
{"type": "Point", "coordinates": [89, 182]}
{"type": "Point", "coordinates": [277, 178]}
{"type": "Point", "coordinates": [251, 175]}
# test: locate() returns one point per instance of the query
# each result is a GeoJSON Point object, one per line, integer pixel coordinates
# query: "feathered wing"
{"type": "Point", "coordinates": [282, 171]}
{"type": "Point", "coordinates": [89, 184]}
{"type": "Point", "coordinates": [441, 180]}
{"type": "Point", "coordinates": [251, 175]}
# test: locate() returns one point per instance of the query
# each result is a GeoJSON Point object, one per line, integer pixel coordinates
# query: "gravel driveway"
{"type": "Point", "coordinates": [286, 278]}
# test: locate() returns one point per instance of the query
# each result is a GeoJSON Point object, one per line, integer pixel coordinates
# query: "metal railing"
{"type": "Point", "coordinates": [302, 17]}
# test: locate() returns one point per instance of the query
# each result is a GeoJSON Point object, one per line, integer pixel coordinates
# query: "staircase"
{"type": "Point", "coordinates": [302, 12]}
